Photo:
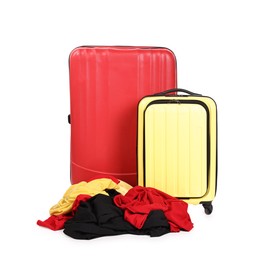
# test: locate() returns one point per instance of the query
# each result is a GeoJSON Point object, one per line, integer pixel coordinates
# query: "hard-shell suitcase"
{"type": "Point", "coordinates": [106, 84]}
{"type": "Point", "coordinates": [177, 145]}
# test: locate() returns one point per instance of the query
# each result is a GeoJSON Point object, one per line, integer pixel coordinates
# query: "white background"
{"type": "Point", "coordinates": [217, 46]}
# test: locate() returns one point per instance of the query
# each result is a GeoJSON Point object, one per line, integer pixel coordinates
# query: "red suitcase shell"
{"type": "Point", "coordinates": [106, 84]}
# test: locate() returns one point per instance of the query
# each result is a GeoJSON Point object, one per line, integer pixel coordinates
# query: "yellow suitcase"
{"type": "Point", "coordinates": [177, 145]}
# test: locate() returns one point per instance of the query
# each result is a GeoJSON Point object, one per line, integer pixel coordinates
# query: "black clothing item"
{"type": "Point", "coordinates": [112, 193]}
{"type": "Point", "coordinates": [99, 216]}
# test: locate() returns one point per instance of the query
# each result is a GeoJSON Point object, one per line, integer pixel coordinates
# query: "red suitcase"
{"type": "Point", "coordinates": [106, 84]}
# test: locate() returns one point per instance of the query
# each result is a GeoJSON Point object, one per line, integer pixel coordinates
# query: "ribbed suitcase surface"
{"type": "Point", "coordinates": [106, 84]}
{"type": "Point", "coordinates": [175, 145]}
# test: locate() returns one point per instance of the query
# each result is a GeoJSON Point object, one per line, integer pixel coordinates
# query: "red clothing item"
{"type": "Point", "coordinates": [139, 201]}
{"type": "Point", "coordinates": [56, 222]}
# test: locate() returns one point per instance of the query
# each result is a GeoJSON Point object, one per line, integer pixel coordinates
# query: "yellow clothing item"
{"type": "Point", "coordinates": [92, 188]}
{"type": "Point", "coordinates": [124, 187]}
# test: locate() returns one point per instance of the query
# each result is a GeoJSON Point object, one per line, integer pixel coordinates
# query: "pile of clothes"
{"type": "Point", "coordinates": [109, 206]}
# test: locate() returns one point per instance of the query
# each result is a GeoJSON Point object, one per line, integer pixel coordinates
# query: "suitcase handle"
{"type": "Point", "coordinates": [177, 90]}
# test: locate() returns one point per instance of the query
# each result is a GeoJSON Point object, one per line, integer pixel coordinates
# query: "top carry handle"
{"type": "Point", "coordinates": [176, 90]}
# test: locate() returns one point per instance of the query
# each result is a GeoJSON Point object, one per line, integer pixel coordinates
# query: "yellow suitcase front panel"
{"type": "Point", "coordinates": [175, 150]}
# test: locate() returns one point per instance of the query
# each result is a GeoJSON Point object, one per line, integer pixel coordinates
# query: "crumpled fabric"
{"type": "Point", "coordinates": [56, 222]}
{"type": "Point", "coordinates": [99, 216]}
{"type": "Point", "coordinates": [67, 205]}
{"type": "Point", "coordinates": [139, 201]}
{"type": "Point", "coordinates": [91, 188]}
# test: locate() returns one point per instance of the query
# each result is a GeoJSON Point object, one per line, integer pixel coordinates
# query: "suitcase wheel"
{"type": "Point", "coordinates": [208, 207]}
